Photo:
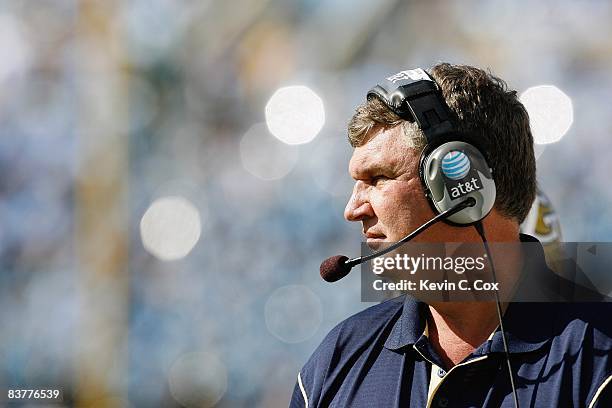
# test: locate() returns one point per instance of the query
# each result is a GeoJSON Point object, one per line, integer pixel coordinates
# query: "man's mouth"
{"type": "Point", "coordinates": [374, 238]}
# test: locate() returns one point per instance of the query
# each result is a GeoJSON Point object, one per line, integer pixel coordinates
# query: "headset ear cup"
{"type": "Point", "coordinates": [452, 172]}
{"type": "Point", "coordinates": [423, 159]}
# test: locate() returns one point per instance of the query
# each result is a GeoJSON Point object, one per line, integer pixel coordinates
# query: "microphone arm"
{"type": "Point", "coordinates": [337, 267]}
{"type": "Point", "coordinates": [469, 202]}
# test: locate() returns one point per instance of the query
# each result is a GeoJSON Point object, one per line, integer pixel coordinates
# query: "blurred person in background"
{"type": "Point", "coordinates": [404, 352]}
{"type": "Point", "coordinates": [542, 222]}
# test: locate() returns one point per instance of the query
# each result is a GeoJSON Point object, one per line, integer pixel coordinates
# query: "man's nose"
{"type": "Point", "coordinates": [358, 207]}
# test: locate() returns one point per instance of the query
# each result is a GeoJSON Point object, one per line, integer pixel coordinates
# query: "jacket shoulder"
{"type": "Point", "coordinates": [344, 342]}
{"type": "Point", "coordinates": [584, 334]}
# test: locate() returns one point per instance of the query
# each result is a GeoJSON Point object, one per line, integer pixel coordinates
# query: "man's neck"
{"type": "Point", "coordinates": [456, 329]}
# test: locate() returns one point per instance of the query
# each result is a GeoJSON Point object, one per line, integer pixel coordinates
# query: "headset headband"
{"type": "Point", "coordinates": [414, 96]}
{"type": "Point", "coordinates": [451, 166]}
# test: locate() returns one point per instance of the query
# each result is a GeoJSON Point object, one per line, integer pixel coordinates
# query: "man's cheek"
{"type": "Point", "coordinates": [404, 208]}
{"type": "Point", "coordinates": [390, 202]}
{"type": "Point", "coordinates": [416, 200]}
{"type": "Point", "coordinates": [407, 197]}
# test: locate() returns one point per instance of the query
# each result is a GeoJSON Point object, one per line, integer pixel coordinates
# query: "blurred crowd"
{"type": "Point", "coordinates": [106, 106]}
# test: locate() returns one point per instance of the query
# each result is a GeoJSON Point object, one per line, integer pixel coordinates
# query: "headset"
{"type": "Point", "coordinates": [451, 166]}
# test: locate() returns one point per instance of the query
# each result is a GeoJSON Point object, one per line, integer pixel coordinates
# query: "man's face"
{"type": "Point", "coordinates": [388, 197]}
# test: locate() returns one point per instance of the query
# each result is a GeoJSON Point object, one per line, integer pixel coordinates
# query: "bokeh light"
{"type": "Point", "coordinates": [550, 112]}
{"type": "Point", "coordinates": [198, 379]}
{"type": "Point", "coordinates": [170, 228]}
{"type": "Point", "coordinates": [295, 114]}
{"type": "Point", "coordinates": [293, 313]}
{"type": "Point", "coordinates": [264, 156]}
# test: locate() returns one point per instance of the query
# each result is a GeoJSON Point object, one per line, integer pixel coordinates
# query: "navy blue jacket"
{"type": "Point", "coordinates": [561, 355]}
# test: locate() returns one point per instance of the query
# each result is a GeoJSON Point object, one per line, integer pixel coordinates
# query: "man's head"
{"type": "Point", "coordinates": [388, 197]}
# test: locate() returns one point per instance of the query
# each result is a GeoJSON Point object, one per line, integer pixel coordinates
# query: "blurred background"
{"type": "Point", "coordinates": [174, 171]}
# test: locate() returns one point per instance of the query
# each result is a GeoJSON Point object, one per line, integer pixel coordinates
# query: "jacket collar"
{"type": "Point", "coordinates": [409, 327]}
{"type": "Point", "coordinates": [529, 326]}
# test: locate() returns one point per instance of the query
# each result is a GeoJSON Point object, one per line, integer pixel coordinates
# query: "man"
{"type": "Point", "coordinates": [405, 353]}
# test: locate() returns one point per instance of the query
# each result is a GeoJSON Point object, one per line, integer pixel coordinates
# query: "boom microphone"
{"type": "Point", "coordinates": [337, 267]}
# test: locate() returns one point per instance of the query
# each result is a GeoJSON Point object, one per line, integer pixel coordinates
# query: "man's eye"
{"type": "Point", "coordinates": [377, 179]}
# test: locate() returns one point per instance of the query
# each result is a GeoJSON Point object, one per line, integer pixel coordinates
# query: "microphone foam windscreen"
{"type": "Point", "coordinates": [334, 268]}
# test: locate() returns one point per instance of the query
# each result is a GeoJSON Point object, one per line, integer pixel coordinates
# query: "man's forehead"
{"type": "Point", "coordinates": [387, 149]}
